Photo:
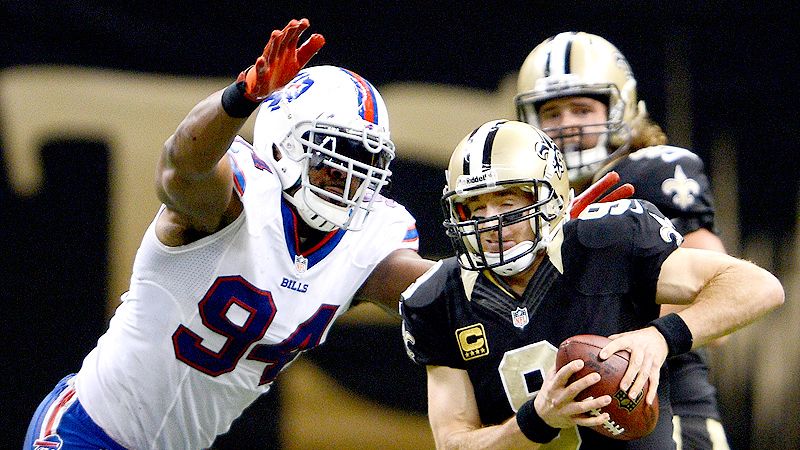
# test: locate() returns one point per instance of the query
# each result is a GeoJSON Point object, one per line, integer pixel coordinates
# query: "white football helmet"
{"type": "Point", "coordinates": [577, 64]}
{"type": "Point", "coordinates": [498, 155]}
{"type": "Point", "coordinates": [327, 117]}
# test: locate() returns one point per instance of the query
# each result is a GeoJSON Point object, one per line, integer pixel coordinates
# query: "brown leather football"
{"type": "Point", "coordinates": [629, 418]}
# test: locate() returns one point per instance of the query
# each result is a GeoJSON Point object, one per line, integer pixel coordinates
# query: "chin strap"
{"type": "Point", "coordinates": [308, 216]}
{"type": "Point", "coordinates": [528, 256]}
{"type": "Point", "coordinates": [527, 251]}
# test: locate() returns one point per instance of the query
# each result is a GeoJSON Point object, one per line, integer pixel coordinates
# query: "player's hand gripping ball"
{"type": "Point", "coordinates": [629, 418]}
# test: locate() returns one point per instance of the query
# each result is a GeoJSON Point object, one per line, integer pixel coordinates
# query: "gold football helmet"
{"type": "Point", "coordinates": [577, 64]}
{"type": "Point", "coordinates": [499, 155]}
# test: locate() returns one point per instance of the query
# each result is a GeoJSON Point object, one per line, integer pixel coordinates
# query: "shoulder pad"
{"type": "Point", "coordinates": [672, 178]}
{"type": "Point", "coordinates": [622, 223]}
{"type": "Point", "coordinates": [665, 153]}
{"type": "Point", "coordinates": [610, 243]}
{"type": "Point", "coordinates": [432, 285]}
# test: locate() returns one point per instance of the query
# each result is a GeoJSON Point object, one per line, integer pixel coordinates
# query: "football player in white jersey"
{"type": "Point", "coordinates": [254, 253]}
{"type": "Point", "coordinates": [580, 90]}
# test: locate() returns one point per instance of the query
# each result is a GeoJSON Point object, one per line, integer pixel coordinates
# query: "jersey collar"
{"type": "Point", "coordinates": [315, 254]}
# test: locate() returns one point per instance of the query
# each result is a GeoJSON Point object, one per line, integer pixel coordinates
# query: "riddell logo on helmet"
{"type": "Point", "coordinates": [557, 82]}
{"type": "Point", "coordinates": [488, 178]}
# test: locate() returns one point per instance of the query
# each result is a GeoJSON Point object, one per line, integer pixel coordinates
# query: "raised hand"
{"type": "Point", "coordinates": [280, 61]}
{"type": "Point", "coordinates": [596, 190]}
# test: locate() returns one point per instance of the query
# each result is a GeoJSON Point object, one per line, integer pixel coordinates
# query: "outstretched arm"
{"type": "Point", "coordinates": [723, 293]}
{"type": "Point", "coordinates": [700, 238]}
{"type": "Point", "coordinates": [392, 276]}
{"type": "Point", "coordinates": [193, 178]}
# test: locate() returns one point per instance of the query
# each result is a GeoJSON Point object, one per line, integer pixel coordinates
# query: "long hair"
{"type": "Point", "coordinates": [646, 133]}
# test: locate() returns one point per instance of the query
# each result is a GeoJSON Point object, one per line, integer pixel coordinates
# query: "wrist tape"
{"type": "Point", "coordinates": [532, 426]}
{"type": "Point", "coordinates": [676, 333]}
{"type": "Point", "coordinates": [235, 103]}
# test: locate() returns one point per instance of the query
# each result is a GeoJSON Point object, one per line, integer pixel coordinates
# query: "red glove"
{"type": "Point", "coordinates": [596, 190]}
{"type": "Point", "coordinates": [281, 60]}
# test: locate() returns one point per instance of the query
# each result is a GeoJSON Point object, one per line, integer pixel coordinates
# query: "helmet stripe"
{"type": "Point", "coordinates": [547, 64]}
{"type": "Point", "coordinates": [567, 57]}
{"type": "Point", "coordinates": [465, 163]}
{"type": "Point", "coordinates": [366, 98]}
{"type": "Point", "coordinates": [560, 51]}
{"type": "Point", "coordinates": [487, 147]}
{"type": "Point", "coordinates": [473, 162]}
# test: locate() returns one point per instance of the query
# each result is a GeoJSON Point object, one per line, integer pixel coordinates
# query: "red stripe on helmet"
{"type": "Point", "coordinates": [368, 107]}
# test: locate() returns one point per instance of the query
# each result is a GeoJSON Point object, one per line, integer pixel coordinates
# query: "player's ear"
{"type": "Point", "coordinates": [276, 153]}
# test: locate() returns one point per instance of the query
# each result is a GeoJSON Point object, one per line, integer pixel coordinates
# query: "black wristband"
{"type": "Point", "coordinates": [235, 103]}
{"type": "Point", "coordinates": [532, 426]}
{"type": "Point", "coordinates": [676, 333]}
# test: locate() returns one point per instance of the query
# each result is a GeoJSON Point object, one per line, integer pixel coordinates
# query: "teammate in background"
{"type": "Point", "coordinates": [253, 255]}
{"type": "Point", "coordinates": [580, 90]}
{"type": "Point", "coordinates": [486, 323]}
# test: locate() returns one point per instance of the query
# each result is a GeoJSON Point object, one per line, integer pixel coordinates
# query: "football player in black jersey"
{"type": "Point", "coordinates": [487, 322]}
{"type": "Point", "coordinates": [580, 90]}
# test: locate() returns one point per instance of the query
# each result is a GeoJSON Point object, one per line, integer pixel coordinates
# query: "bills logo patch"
{"type": "Point", "coordinates": [293, 89]}
{"type": "Point", "coordinates": [52, 441]}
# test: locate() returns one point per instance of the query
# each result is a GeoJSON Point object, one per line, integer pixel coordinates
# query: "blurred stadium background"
{"type": "Point", "coordinates": [89, 90]}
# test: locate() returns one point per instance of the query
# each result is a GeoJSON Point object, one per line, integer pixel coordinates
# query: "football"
{"type": "Point", "coordinates": [629, 418]}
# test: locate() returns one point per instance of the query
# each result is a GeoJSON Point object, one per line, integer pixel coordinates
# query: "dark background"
{"type": "Point", "coordinates": [743, 84]}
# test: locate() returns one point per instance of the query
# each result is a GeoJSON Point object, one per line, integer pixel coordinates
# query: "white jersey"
{"type": "Point", "coordinates": [206, 327]}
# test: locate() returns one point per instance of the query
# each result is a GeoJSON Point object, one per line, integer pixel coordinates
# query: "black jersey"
{"type": "Point", "coordinates": [601, 279]}
{"type": "Point", "coordinates": [673, 179]}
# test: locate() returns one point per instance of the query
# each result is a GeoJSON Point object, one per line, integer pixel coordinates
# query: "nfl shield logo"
{"type": "Point", "coordinates": [300, 263]}
{"type": "Point", "coordinates": [519, 317]}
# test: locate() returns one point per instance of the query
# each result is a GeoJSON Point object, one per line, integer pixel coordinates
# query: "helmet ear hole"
{"type": "Point", "coordinates": [461, 211]}
{"type": "Point", "coordinates": [276, 153]}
